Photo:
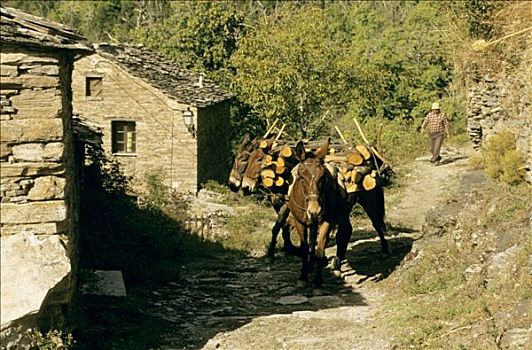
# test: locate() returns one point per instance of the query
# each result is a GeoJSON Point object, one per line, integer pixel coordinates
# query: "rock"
{"type": "Point", "coordinates": [500, 267]}
{"type": "Point", "coordinates": [31, 269]}
{"type": "Point", "coordinates": [326, 301]}
{"type": "Point", "coordinates": [472, 271]}
{"type": "Point", "coordinates": [38, 152]}
{"type": "Point", "coordinates": [35, 212]}
{"type": "Point", "coordinates": [105, 283]}
{"type": "Point", "coordinates": [31, 130]}
{"type": "Point", "coordinates": [518, 338]}
{"type": "Point", "coordinates": [292, 300]}
{"type": "Point", "coordinates": [47, 187]}
{"type": "Point", "coordinates": [30, 169]}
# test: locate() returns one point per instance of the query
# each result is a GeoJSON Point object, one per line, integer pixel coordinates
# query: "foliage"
{"type": "Point", "coordinates": [308, 62]}
{"type": "Point", "coordinates": [52, 340]}
{"type": "Point", "coordinates": [291, 67]}
{"type": "Point", "coordinates": [501, 159]}
{"type": "Point", "coordinates": [199, 35]}
{"type": "Point", "coordinates": [105, 173]}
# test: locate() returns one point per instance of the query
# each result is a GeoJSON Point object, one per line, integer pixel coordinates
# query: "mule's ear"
{"type": "Point", "coordinates": [323, 150]}
{"type": "Point", "coordinates": [246, 142]}
{"type": "Point", "coordinates": [300, 151]}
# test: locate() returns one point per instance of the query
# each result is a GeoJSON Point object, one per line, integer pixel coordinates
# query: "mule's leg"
{"type": "Point", "coordinates": [288, 246]}
{"type": "Point", "coordinates": [280, 222]}
{"type": "Point", "coordinates": [321, 260]}
{"type": "Point", "coordinates": [373, 204]}
{"type": "Point", "coordinates": [303, 235]}
{"type": "Point", "coordinates": [343, 236]}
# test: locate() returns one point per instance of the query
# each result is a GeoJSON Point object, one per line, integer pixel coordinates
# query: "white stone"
{"type": "Point", "coordinates": [30, 268]}
{"type": "Point", "coordinates": [38, 152]}
{"type": "Point", "coordinates": [105, 283]}
{"type": "Point", "coordinates": [292, 300]}
{"type": "Point", "coordinates": [47, 187]}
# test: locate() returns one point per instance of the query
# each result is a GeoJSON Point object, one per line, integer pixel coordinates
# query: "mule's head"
{"type": "Point", "coordinates": [311, 175]}
{"type": "Point", "coordinates": [251, 176]}
{"type": "Point", "coordinates": [241, 162]}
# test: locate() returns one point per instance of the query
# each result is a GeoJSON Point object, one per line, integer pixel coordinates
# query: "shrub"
{"type": "Point", "coordinates": [502, 160]}
{"type": "Point", "coordinates": [52, 340]}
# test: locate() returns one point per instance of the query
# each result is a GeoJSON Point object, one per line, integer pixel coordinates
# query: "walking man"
{"type": "Point", "coordinates": [437, 126]}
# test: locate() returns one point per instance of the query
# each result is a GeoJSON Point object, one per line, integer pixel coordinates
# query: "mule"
{"type": "Point", "coordinates": [248, 162]}
{"type": "Point", "coordinates": [372, 202]}
{"type": "Point", "coordinates": [316, 205]}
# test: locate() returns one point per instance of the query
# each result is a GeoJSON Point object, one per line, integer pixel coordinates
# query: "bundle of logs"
{"type": "Point", "coordinates": [356, 168]}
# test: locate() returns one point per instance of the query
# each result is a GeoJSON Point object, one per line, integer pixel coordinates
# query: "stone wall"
{"type": "Point", "coordinates": [497, 103]}
{"type": "Point", "coordinates": [39, 200]}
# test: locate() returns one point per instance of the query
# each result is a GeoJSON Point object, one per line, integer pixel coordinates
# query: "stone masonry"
{"type": "Point", "coordinates": [39, 195]}
{"type": "Point", "coordinates": [143, 87]}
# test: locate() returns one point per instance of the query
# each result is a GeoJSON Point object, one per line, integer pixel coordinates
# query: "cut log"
{"type": "Point", "coordinates": [351, 187]}
{"type": "Point", "coordinates": [347, 174]}
{"type": "Point", "coordinates": [280, 162]}
{"type": "Point", "coordinates": [268, 159]}
{"type": "Point", "coordinates": [334, 158]}
{"type": "Point", "coordinates": [267, 173]}
{"type": "Point", "coordinates": [364, 151]}
{"type": "Point", "coordinates": [286, 151]}
{"type": "Point", "coordinates": [279, 181]}
{"type": "Point", "coordinates": [263, 144]}
{"type": "Point", "coordinates": [267, 181]}
{"type": "Point", "coordinates": [279, 169]}
{"type": "Point", "coordinates": [369, 182]}
{"type": "Point", "coordinates": [355, 158]}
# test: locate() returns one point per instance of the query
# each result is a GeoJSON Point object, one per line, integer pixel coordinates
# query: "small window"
{"type": "Point", "coordinates": [123, 137]}
{"type": "Point", "coordinates": [93, 87]}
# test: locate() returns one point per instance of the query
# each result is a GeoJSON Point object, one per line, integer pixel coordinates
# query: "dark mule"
{"type": "Point", "coordinates": [316, 205]}
{"type": "Point", "coordinates": [245, 174]}
{"type": "Point", "coordinates": [241, 162]}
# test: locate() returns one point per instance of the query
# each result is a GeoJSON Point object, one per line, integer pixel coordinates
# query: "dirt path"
{"type": "Point", "coordinates": [230, 302]}
{"type": "Point", "coordinates": [342, 319]}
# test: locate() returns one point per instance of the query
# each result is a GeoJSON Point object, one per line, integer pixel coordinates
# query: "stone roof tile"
{"type": "Point", "coordinates": [21, 28]}
{"type": "Point", "coordinates": [161, 72]}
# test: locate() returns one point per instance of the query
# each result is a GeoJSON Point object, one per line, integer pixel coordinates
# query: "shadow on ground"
{"type": "Point", "coordinates": [182, 290]}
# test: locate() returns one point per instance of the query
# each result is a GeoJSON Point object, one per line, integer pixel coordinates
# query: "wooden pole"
{"type": "Point", "coordinates": [360, 131]}
{"type": "Point", "coordinates": [340, 133]}
{"type": "Point", "coordinates": [379, 134]}
{"type": "Point", "coordinates": [278, 136]}
{"type": "Point", "coordinates": [271, 128]}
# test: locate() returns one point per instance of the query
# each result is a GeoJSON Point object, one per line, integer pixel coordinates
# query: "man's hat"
{"type": "Point", "coordinates": [435, 105]}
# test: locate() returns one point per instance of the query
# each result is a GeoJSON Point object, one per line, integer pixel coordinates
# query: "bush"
{"type": "Point", "coordinates": [502, 160]}
{"type": "Point", "coordinates": [52, 340]}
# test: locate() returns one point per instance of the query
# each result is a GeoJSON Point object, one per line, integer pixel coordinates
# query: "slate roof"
{"type": "Point", "coordinates": [21, 28]}
{"type": "Point", "coordinates": [163, 73]}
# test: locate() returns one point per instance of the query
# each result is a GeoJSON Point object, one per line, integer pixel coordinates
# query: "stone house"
{"type": "Point", "coordinates": [155, 117]}
{"type": "Point", "coordinates": [39, 185]}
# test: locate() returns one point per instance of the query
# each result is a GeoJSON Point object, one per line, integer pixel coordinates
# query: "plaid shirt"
{"type": "Point", "coordinates": [436, 122]}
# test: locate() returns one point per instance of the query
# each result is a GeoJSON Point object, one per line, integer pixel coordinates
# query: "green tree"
{"type": "Point", "coordinates": [293, 67]}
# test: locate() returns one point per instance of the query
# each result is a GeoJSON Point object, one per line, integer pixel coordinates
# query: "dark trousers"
{"type": "Point", "coordinates": [436, 140]}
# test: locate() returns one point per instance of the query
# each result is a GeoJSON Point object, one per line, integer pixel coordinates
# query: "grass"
{"type": "Point", "coordinates": [435, 306]}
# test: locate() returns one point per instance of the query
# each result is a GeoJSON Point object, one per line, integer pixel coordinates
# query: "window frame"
{"type": "Point", "coordinates": [127, 128]}
{"type": "Point", "coordinates": [89, 95]}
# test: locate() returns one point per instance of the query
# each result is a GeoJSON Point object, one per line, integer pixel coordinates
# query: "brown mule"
{"type": "Point", "coordinates": [245, 174]}
{"type": "Point", "coordinates": [316, 205]}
